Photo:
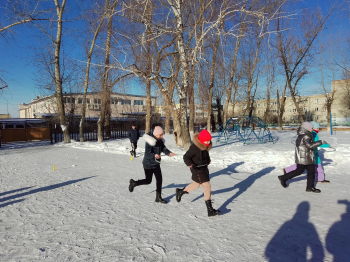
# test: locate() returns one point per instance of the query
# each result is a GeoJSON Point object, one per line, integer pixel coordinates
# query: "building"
{"type": "Point", "coordinates": [121, 105]}
{"type": "Point", "coordinates": [5, 116]}
{"type": "Point", "coordinates": [200, 111]}
{"type": "Point", "coordinates": [314, 105]}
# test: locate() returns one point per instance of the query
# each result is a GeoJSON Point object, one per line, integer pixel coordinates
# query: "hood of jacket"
{"type": "Point", "coordinates": [199, 144]}
{"type": "Point", "coordinates": [151, 139]}
{"type": "Point", "coordinates": [303, 131]}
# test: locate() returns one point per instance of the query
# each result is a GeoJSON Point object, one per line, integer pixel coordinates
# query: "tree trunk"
{"type": "Point", "coordinates": [105, 90]}
{"type": "Point", "coordinates": [167, 119]}
{"type": "Point", "coordinates": [58, 79]}
{"type": "Point", "coordinates": [281, 108]}
{"type": "Point", "coordinates": [266, 117]}
{"type": "Point", "coordinates": [185, 135]}
{"type": "Point", "coordinates": [211, 83]}
{"type": "Point", "coordinates": [86, 84]}
{"type": "Point", "coordinates": [149, 64]}
{"type": "Point", "coordinates": [233, 71]}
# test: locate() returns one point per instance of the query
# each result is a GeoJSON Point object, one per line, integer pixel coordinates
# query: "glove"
{"type": "Point", "coordinates": [324, 142]}
{"type": "Point", "coordinates": [193, 166]}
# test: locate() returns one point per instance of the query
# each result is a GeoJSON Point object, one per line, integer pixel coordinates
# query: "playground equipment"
{"type": "Point", "coordinates": [249, 129]}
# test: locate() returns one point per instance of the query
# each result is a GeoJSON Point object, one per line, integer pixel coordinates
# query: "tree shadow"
{"type": "Point", "coordinates": [14, 191]}
{"type": "Point", "coordinates": [338, 236]}
{"type": "Point", "coordinates": [10, 203]}
{"type": "Point", "coordinates": [226, 171]}
{"type": "Point", "coordinates": [42, 189]}
{"type": "Point", "coordinates": [241, 186]}
{"type": "Point", "coordinates": [294, 237]}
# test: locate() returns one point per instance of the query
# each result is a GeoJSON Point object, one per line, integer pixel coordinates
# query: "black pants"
{"type": "Point", "coordinates": [133, 146]}
{"type": "Point", "coordinates": [300, 169]}
{"type": "Point", "coordinates": [148, 180]}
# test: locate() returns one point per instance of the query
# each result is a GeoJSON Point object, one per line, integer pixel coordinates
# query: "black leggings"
{"type": "Point", "coordinates": [148, 180]}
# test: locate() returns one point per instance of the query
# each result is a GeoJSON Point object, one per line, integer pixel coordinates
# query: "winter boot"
{"type": "Point", "coordinates": [283, 182]}
{"type": "Point", "coordinates": [179, 193]}
{"type": "Point", "coordinates": [323, 181]}
{"type": "Point", "coordinates": [211, 210]}
{"type": "Point", "coordinates": [132, 185]}
{"type": "Point", "coordinates": [134, 153]}
{"type": "Point", "coordinates": [313, 190]}
{"type": "Point", "coordinates": [159, 199]}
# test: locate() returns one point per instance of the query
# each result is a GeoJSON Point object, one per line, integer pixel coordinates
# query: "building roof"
{"type": "Point", "coordinates": [77, 94]}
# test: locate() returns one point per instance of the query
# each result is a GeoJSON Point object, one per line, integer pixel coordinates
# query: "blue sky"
{"type": "Point", "coordinates": [16, 69]}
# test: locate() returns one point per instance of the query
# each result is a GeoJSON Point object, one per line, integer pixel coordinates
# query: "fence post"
{"type": "Point", "coordinates": [51, 132]}
{"type": "Point", "coordinates": [330, 119]}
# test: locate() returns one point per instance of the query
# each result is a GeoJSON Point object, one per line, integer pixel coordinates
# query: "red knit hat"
{"type": "Point", "coordinates": [204, 135]}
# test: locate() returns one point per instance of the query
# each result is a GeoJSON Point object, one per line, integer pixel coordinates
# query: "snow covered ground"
{"type": "Point", "coordinates": [83, 210]}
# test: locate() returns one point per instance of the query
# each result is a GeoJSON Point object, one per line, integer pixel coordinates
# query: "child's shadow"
{"type": "Point", "coordinates": [241, 186]}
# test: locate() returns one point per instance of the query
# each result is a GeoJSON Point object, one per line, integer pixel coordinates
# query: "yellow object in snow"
{"type": "Point", "coordinates": [53, 167]}
{"type": "Point", "coordinates": [131, 158]}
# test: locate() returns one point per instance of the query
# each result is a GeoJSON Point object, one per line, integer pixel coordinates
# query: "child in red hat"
{"type": "Point", "coordinates": [197, 157]}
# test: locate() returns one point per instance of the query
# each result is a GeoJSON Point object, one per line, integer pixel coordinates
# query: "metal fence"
{"type": "Point", "coordinates": [53, 132]}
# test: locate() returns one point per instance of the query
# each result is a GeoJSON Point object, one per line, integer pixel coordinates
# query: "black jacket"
{"type": "Point", "coordinates": [198, 155]}
{"type": "Point", "coordinates": [305, 147]}
{"type": "Point", "coordinates": [153, 146]}
{"type": "Point", "coordinates": [133, 135]}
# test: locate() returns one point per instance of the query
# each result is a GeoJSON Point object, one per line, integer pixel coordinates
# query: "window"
{"type": "Point", "coordinates": [258, 105]}
{"type": "Point", "coordinates": [80, 100]}
{"type": "Point", "coordinates": [97, 101]}
{"type": "Point", "coordinates": [305, 109]}
{"type": "Point", "coordinates": [316, 101]}
{"type": "Point", "coordinates": [138, 102]}
{"type": "Point", "coordinates": [316, 117]}
{"type": "Point", "coordinates": [126, 102]}
{"type": "Point", "coordinates": [114, 101]}
{"type": "Point", "coordinates": [325, 109]}
{"type": "Point", "coordinates": [69, 100]}
{"type": "Point", "coordinates": [325, 100]}
{"type": "Point", "coordinates": [88, 100]}
{"type": "Point", "coordinates": [273, 103]}
{"type": "Point", "coordinates": [316, 108]}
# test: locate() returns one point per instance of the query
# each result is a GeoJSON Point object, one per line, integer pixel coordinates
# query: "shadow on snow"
{"type": "Point", "coordinates": [294, 237]}
{"type": "Point", "coordinates": [42, 189]}
{"type": "Point", "coordinates": [241, 186]}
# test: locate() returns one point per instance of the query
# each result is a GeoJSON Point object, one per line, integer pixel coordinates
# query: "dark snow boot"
{"type": "Point", "coordinates": [211, 210]}
{"type": "Point", "coordinates": [179, 193]}
{"type": "Point", "coordinates": [132, 185]}
{"type": "Point", "coordinates": [159, 199]}
{"type": "Point", "coordinates": [313, 190]}
{"type": "Point", "coordinates": [283, 182]}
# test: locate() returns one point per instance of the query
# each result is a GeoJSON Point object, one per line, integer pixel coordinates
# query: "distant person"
{"type": "Point", "coordinates": [197, 158]}
{"type": "Point", "coordinates": [134, 136]}
{"type": "Point", "coordinates": [304, 157]}
{"type": "Point", "coordinates": [318, 164]}
{"type": "Point", "coordinates": [151, 162]}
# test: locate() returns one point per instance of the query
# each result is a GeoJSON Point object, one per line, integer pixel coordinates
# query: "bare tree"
{"type": "Point", "coordinates": [95, 31]}
{"type": "Point", "coordinates": [21, 12]}
{"type": "Point", "coordinates": [106, 91]}
{"type": "Point", "coordinates": [58, 80]}
{"type": "Point", "coordinates": [296, 51]}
